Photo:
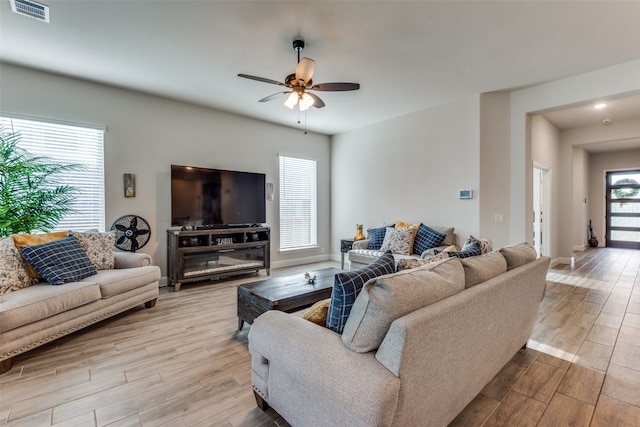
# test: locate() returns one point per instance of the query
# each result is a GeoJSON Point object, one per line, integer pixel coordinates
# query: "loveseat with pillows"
{"type": "Point", "coordinates": [407, 348]}
{"type": "Point", "coordinates": [56, 283]}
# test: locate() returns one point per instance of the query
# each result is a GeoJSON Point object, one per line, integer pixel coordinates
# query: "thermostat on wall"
{"type": "Point", "coordinates": [465, 194]}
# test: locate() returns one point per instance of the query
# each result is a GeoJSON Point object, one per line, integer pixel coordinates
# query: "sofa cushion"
{"type": "Point", "coordinates": [427, 238]}
{"type": "Point", "coordinates": [390, 297]}
{"type": "Point", "coordinates": [98, 246]}
{"type": "Point", "coordinates": [481, 268]}
{"type": "Point", "coordinates": [471, 250]}
{"type": "Point", "coordinates": [42, 300]}
{"type": "Point", "coordinates": [486, 245]}
{"type": "Point", "coordinates": [449, 235]}
{"type": "Point", "coordinates": [59, 261]}
{"type": "Point", "coordinates": [376, 237]}
{"type": "Point", "coordinates": [317, 313]}
{"type": "Point", "coordinates": [119, 281]}
{"type": "Point", "coordinates": [347, 286]}
{"type": "Point", "coordinates": [398, 240]}
{"type": "Point", "coordinates": [518, 255]}
{"type": "Point", "coordinates": [36, 239]}
{"type": "Point", "coordinates": [13, 271]}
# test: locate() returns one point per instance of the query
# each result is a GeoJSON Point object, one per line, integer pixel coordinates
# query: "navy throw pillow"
{"type": "Point", "coordinates": [376, 237]}
{"type": "Point", "coordinates": [474, 249]}
{"type": "Point", "coordinates": [347, 286]}
{"type": "Point", "coordinates": [427, 238]}
{"type": "Point", "coordinates": [60, 261]}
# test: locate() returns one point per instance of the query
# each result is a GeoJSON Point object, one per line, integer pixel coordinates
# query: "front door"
{"type": "Point", "coordinates": [623, 209]}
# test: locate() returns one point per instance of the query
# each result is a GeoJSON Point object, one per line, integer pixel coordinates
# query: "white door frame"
{"type": "Point", "coordinates": [541, 208]}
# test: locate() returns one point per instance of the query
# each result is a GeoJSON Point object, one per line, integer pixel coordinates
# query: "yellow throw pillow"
{"type": "Point", "coordinates": [36, 239]}
{"type": "Point", "coordinates": [451, 248]}
{"type": "Point", "coordinates": [317, 313]}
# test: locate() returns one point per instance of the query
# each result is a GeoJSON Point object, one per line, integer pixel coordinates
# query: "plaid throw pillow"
{"type": "Point", "coordinates": [427, 238]}
{"type": "Point", "coordinates": [472, 250]}
{"type": "Point", "coordinates": [348, 285]}
{"type": "Point", "coordinates": [60, 261]}
{"type": "Point", "coordinates": [376, 237]}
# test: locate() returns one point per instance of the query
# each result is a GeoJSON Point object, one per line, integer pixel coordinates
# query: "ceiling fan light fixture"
{"type": "Point", "coordinates": [306, 101]}
{"type": "Point", "coordinates": [292, 100]}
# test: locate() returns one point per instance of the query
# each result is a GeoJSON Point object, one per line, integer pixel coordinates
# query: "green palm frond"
{"type": "Point", "coordinates": [31, 194]}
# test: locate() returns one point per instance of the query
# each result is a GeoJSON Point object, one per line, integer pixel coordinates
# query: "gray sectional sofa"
{"type": "Point", "coordinates": [418, 346]}
{"type": "Point", "coordinates": [40, 313]}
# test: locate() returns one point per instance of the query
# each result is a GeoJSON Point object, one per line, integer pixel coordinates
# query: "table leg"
{"type": "Point", "coordinates": [342, 260]}
{"type": "Point", "coordinates": [240, 324]}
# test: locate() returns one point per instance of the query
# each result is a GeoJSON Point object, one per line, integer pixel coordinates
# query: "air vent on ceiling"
{"type": "Point", "coordinates": [31, 8]}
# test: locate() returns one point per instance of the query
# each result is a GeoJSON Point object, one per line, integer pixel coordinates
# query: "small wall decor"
{"type": "Point", "coordinates": [465, 194]}
{"type": "Point", "coordinates": [270, 191]}
{"type": "Point", "coordinates": [129, 185]}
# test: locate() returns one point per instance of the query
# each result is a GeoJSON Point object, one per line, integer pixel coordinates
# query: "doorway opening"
{"type": "Point", "coordinates": [540, 210]}
{"type": "Point", "coordinates": [623, 209]}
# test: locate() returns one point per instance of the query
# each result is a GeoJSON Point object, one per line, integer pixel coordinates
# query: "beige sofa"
{"type": "Point", "coordinates": [360, 254]}
{"type": "Point", "coordinates": [41, 313]}
{"type": "Point", "coordinates": [403, 359]}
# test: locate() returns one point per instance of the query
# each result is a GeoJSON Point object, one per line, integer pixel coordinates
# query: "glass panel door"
{"type": "Point", "coordinates": [623, 209]}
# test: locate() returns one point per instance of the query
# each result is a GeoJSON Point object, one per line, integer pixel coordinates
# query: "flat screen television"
{"type": "Point", "coordinates": [210, 198]}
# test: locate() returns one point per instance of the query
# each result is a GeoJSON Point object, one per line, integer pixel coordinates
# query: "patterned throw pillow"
{"type": "Point", "coordinates": [415, 227]}
{"type": "Point", "coordinates": [427, 238]}
{"type": "Point", "coordinates": [347, 286]}
{"type": "Point", "coordinates": [409, 263]}
{"type": "Point", "coordinates": [471, 250]}
{"type": "Point", "coordinates": [398, 241]}
{"type": "Point", "coordinates": [376, 237]}
{"type": "Point", "coordinates": [98, 246]}
{"type": "Point", "coordinates": [13, 271]}
{"type": "Point", "coordinates": [60, 261]}
{"type": "Point", "coordinates": [486, 245]}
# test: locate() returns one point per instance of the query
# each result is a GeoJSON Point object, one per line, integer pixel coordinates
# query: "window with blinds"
{"type": "Point", "coordinates": [298, 203]}
{"type": "Point", "coordinates": [72, 145]}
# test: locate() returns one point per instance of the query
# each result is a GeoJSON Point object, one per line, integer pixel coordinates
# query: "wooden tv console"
{"type": "Point", "coordinates": [212, 254]}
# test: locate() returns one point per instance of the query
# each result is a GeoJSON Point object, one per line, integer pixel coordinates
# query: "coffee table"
{"type": "Point", "coordinates": [287, 293]}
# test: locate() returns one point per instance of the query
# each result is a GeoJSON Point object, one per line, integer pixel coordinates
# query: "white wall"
{"type": "Point", "coordinates": [145, 134]}
{"type": "Point", "coordinates": [618, 80]}
{"type": "Point", "coordinates": [495, 167]}
{"type": "Point", "coordinates": [545, 145]}
{"type": "Point", "coordinates": [581, 196]}
{"type": "Point", "coordinates": [409, 168]}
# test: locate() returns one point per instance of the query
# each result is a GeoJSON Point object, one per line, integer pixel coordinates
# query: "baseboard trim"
{"type": "Point", "coordinates": [300, 261]}
{"type": "Point", "coordinates": [578, 248]}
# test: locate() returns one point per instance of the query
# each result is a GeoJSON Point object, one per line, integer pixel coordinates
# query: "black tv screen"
{"type": "Point", "coordinates": [203, 197]}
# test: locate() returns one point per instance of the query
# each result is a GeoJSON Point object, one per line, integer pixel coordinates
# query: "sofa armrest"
{"type": "Point", "coordinates": [287, 349]}
{"type": "Point", "coordinates": [360, 244]}
{"type": "Point", "coordinates": [131, 259]}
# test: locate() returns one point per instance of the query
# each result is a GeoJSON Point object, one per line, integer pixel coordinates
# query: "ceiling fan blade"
{"type": "Point", "coordinates": [261, 79]}
{"type": "Point", "coordinates": [272, 97]}
{"type": "Point", "coordinates": [304, 70]}
{"type": "Point", "coordinates": [335, 87]}
{"type": "Point", "coordinates": [317, 102]}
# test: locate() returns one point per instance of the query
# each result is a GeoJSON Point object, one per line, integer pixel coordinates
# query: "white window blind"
{"type": "Point", "coordinates": [298, 203]}
{"type": "Point", "coordinates": [72, 145]}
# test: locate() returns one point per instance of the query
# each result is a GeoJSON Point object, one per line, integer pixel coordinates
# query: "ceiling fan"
{"type": "Point", "coordinates": [300, 84]}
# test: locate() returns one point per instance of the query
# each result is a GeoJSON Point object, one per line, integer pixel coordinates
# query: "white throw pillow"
{"type": "Point", "coordinates": [398, 240]}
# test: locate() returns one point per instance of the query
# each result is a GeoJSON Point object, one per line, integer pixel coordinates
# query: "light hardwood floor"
{"type": "Point", "coordinates": [183, 363]}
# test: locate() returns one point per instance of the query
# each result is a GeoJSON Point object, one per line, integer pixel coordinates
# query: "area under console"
{"type": "Point", "coordinates": [199, 255]}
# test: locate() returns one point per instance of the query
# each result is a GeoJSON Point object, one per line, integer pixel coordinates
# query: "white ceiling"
{"type": "Point", "coordinates": [407, 55]}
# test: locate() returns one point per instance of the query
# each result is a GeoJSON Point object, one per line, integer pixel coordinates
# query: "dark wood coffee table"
{"type": "Point", "coordinates": [288, 293]}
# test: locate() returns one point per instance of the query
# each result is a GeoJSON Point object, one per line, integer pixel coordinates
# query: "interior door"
{"type": "Point", "coordinates": [539, 207]}
{"type": "Point", "coordinates": [623, 209]}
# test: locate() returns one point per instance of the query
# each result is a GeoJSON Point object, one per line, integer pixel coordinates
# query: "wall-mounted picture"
{"type": "Point", "coordinates": [129, 185]}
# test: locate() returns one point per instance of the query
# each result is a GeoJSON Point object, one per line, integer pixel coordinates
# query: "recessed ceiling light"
{"type": "Point", "coordinates": [600, 106]}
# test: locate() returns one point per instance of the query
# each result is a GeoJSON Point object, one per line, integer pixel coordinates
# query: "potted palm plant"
{"type": "Point", "coordinates": [32, 197]}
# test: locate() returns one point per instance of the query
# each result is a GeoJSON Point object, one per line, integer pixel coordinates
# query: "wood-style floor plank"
{"type": "Point", "coordinates": [184, 364]}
